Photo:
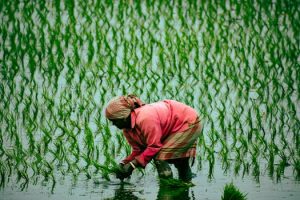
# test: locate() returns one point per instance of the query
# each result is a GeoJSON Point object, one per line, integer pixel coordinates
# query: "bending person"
{"type": "Point", "coordinates": [165, 131]}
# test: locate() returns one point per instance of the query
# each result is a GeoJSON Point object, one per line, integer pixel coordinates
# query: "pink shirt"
{"type": "Point", "coordinates": [152, 123]}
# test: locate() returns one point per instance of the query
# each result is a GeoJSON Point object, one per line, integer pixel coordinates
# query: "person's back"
{"type": "Point", "coordinates": [165, 131]}
{"type": "Point", "coordinates": [172, 116]}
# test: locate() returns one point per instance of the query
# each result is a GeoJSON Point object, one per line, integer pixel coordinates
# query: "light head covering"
{"type": "Point", "coordinates": [121, 107]}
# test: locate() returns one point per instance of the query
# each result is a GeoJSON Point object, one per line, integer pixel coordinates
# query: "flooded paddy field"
{"type": "Point", "coordinates": [147, 187]}
{"type": "Point", "coordinates": [62, 61]}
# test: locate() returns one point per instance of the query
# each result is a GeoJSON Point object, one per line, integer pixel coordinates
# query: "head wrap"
{"type": "Point", "coordinates": [121, 107]}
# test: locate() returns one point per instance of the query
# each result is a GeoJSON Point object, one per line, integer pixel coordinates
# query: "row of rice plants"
{"type": "Point", "coordinates": [61, 63]}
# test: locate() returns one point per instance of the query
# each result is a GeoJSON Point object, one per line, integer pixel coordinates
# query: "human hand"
{"type": "Point", "coordinates": [124, 171]}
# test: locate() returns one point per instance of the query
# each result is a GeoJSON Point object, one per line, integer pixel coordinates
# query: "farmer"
{"type": "Point", "coordinates": [165, 131]}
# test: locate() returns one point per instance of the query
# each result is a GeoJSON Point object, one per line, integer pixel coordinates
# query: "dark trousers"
{"type": "Point", "coordinates": [181, 164]}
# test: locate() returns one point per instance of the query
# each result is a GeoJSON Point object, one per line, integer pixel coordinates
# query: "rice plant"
{"type": "Point", "coordinates": [237, 64]}
{"type": "Point", "coordinates": [174, 183]}
{"type": "Point", "coordinates": [231, 192]}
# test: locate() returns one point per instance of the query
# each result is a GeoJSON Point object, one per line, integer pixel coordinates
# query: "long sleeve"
{"type": "Point", "coordinates": [132, 156]}
{"type": "Point", "coordinates": [152, 124]}
{"type": "Point", "coordinates": [151, 131]}
{"type": "Point", "coordinates": [135, 149]}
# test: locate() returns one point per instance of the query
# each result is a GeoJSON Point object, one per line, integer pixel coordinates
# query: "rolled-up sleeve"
{"type": "Point", "coordinates": [152, 133]}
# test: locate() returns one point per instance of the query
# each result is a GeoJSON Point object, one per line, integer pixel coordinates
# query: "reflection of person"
{"type": "Point", "coordinates": [169, 193]}
{"type": "Point", "coordinates": [165, 131]}
{"type": "Point", "coordinates": [122, 193]}
{"type": "Point", "coordinates": [164, 193]}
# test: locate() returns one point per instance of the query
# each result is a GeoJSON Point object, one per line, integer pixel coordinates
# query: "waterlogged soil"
{"type": "Point", "coordinates": [147, 187]}
{"type": "Point", "coordinates": [243, 79]}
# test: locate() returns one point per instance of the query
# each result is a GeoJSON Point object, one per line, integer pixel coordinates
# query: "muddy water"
{"type": "Point", "coordinates": [147, 187]}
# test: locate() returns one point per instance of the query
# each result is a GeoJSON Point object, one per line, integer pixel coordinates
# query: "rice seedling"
{"type": "Point", "coordinates": [232, 192]}
{"type": "Point", "coordinates": [22, 174]}
{"type": "Point", "coordinates": [2, 175]}
{"type": "Point", "coordinates": [238, 162]}
{"type": "Point", "coordinates": [244, 144]}
{"type": "Point", "coordinates": [224, 156]}
{"type": "Point", "coordinates": [174, 183]}
{"type": "Point", "coordinates": [254, 155]}
{"type": "Point", "coordinates": [212, 56]}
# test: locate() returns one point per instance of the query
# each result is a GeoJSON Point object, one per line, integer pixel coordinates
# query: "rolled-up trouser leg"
{"type": "Point", "coordinates": [163, 168]}
{"type": "Point", "coordinates": [184, 170]}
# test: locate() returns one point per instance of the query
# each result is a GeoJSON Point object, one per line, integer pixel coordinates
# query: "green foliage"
{"type": "Point", "coordinates": [62, 61]}
{"type": "Point", "coordinates": [175, 183]}
{"type": "Point", "coordinates": [232, 193]}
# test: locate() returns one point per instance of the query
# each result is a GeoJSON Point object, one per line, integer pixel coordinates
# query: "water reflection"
{"type": "Point", "coordinates": [169, 193]}
{"type": "Point", "coordinates": [51, 113]}
{"type": "Point", "coordinates": [124, 193]}
{"type": "Point", "coordinates": [164, 193]}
